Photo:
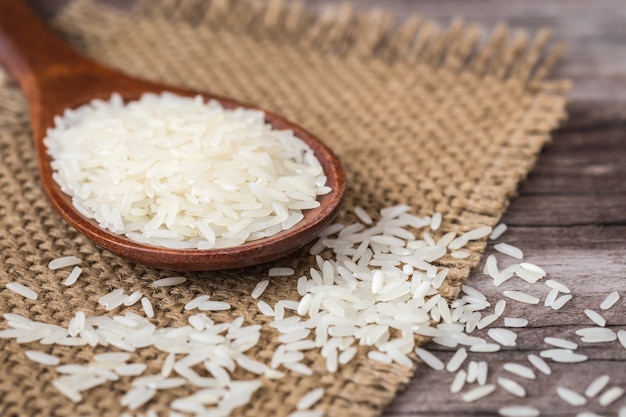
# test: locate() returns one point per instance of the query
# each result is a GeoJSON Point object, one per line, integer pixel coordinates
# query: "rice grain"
{"type": "Point", "coordinates": [478, 393]}
{"type": "Point", "coordinates": [596, 386]}
{"type": "Point", "coordinates": [512, 387]}
{"type": "Point", "coordinates": [610, 396]}
{"type": "Point", "coordinates": [42, 358]}
{"type": "Point", "coordinates": [22, 290]}
{"type": "Point", "coordinates": [73, 276]}
{"type": "Point", "coordinates": [63, 262]}
{"type": "Point", "coordinates": [518, 411]}
{"type": "Point", "coordinates": [169, 282]}
{"type": "Point", "coordinates": [610, 300]}
{"type": "Point", "coordinates": [519, 370]}
{"type": "Point", "coordinates": [309, 399]}
{"type": "Point", "coordinates": [571, 397]}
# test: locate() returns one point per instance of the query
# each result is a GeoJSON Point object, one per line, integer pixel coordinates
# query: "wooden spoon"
{"type": "Point", "coordinates": [54, 77]}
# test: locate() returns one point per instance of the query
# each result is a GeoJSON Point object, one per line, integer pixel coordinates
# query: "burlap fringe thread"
{"type": "Point", "coordinates": [462, 48]}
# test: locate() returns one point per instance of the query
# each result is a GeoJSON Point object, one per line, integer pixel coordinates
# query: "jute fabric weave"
{"type": "Point", "coordinates": [433, 118]}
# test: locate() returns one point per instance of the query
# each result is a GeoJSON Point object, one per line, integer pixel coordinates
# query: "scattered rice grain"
{"type": "Point", "coordinates": [63, 262]}
{"type": "Point", "coordinates": [610, 395]}
{"type": "Point", "coordinates": [596, 386]}
{"type": "Point", "coordinates": [73, 276]}
{"type": "Point", "coordinates": [510, 250]}
{"type": "Point", "coordinates": [571, 397]}
{"type": "Point", "coordinates": [22, 290]}
{"type": "Point", "coordinates": [478, 393]}
{"type": "Point", "coordinates": [518, 411]}
{"type": "Point", "coordinates": [169, 282]}
{"type": "Point", "coordinates": [610, 300]}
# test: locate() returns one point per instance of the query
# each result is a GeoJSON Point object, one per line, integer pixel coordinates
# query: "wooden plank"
{"type": "Point", "coordinates": [591, 275]}
{"type": "Point", "coordinates": [593, 31]}
{"type": "Point", "coordinates": [568, 210]}
{"type": "Point", "coordinates": [581, 161]}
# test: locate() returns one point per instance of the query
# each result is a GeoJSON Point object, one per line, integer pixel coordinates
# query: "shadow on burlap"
{"type": "Point", "coordinates": [419, 116]}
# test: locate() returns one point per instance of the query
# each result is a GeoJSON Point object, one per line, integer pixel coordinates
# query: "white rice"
{"type": "Point", "coordinates": [196, 302]}
{"type": "Point", "coordinates": [307, 413]}
{"type": "Point", "coordinates": [515, 322]}
{"type": "Point", "coordinates": [518, 411]}
{"type": "Point", "coordinates": [477, 233]}
{"type": "Point", "coordinates": [503, 336]}
{"type": "Point", "coordinates": [561, 301]}
{"type": "Point", "coordinates": [169, 282]}
{"type": "Point", "coordinates": [571, 397]}
{"type": "Point", "coordinates": [530, 267]}
{"type": "Point", "coordinates": [69, 392]}
{"type": "Point", "coordinates": [147, 307]}
{"type": "Point", "coordinates": [435, 221]}
{"type": "Point", "coordinates": [610, 396]}
{"type": "Point", "coordinates": [509, 250]}
{"type": "Point", "coordinates": [460, 254]}
{"type": "Point", "coordinates": [429, 359]}
{"type": "Point", "coordinates": [133, 298]}
{"type": "Point", "coordinates": [111, 357]}
{"type": "Point", "coordinates": [22, 290]}
{"type": "Point", "coordinates": [214, 306]}
{"type": "Point", "coordinates": [610, 300]}
{"type": "Point", "coordinates": [63, 262]}
{"type": "Point", "coordinates": [379, 290]}
{"type": "Point", "coordinates": [457, 360]}
{"type": "Point", "coordinates": [521, 297]}
{"type": "Point", "coordinates": [457, 243]}
{"type": "Point", "coordinates": [588, 414]}
{"type": "Point", "coordinates": [569, 357]}
{"type": "Point", "coordinates": [133, 369]}
{"type": "Point", "coordinates": [281, 272]}
{"type": "Point", "coordinates": [216, 157]}
{"type": "Point", "coordinates": [512, 387]}
{"type": "Point", "coordinates": [483, 370]}
{"type": "Point", "coordinates": [137, 397]}
{"type": "Point", "coordinates": [472, 372]}
{"type": "Point", "coordinates": [596, 386]}
{"type": "Point", "coordinates": [260, 288]}
{"type": "Point", "coordinates": [265, 308]}
{"type": "Point", "coordinates": [478, 393]}
{"type": "Point", "coordinates": [519, 370]}
{"type": "Point", "coordinates": [560, 343]}
{"type": "Point", "coordinates": [596, 335]}
{"type": "Point", "coordinates": [498, 231]}
{"type": "Point", "coordinates": [42, 358]}
{"type": "Point", "coordinates": [621, 335]}
{"type": "Point", "coordinates": [551, 297]}
{"type": "Point", "coordinates": [73, 276]}
{"type": "Point", "coordinates": [362, 215]}
{"type": "Point", "coordinates": [540, 364]}
{"type": "Point", "coordinates": [458, 382]}
{"type": "Point", "coordinates": [558, 286]}
{"type": "Point", "coordinates": [595, 317]}
{"type": "Point", "coordinates": [309, 399]}
{"type": "Point", "coordinates": [499, 309]}
{"type": "Point", "coordinates": [485, 348]}
{"type": "Point", "coordinates": [113, 299]}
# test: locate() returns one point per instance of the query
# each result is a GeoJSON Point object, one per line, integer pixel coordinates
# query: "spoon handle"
{"type": "Point", "coordinates": [31, 52]}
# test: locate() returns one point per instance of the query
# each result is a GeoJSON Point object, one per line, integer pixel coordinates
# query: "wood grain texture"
{"type": "Point", "coordinates": [570, 215]}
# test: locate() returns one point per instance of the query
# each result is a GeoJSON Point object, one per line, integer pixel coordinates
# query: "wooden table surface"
{"type": "Point", "coordinates": [569, 216]}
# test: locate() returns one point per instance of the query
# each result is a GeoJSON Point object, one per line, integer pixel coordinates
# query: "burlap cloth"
{"type": "Point", "coordinates": [438, 119]}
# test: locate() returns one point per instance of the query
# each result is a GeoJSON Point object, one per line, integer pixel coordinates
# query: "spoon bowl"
{"type": "Point", "coordinates": [54, 77]}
